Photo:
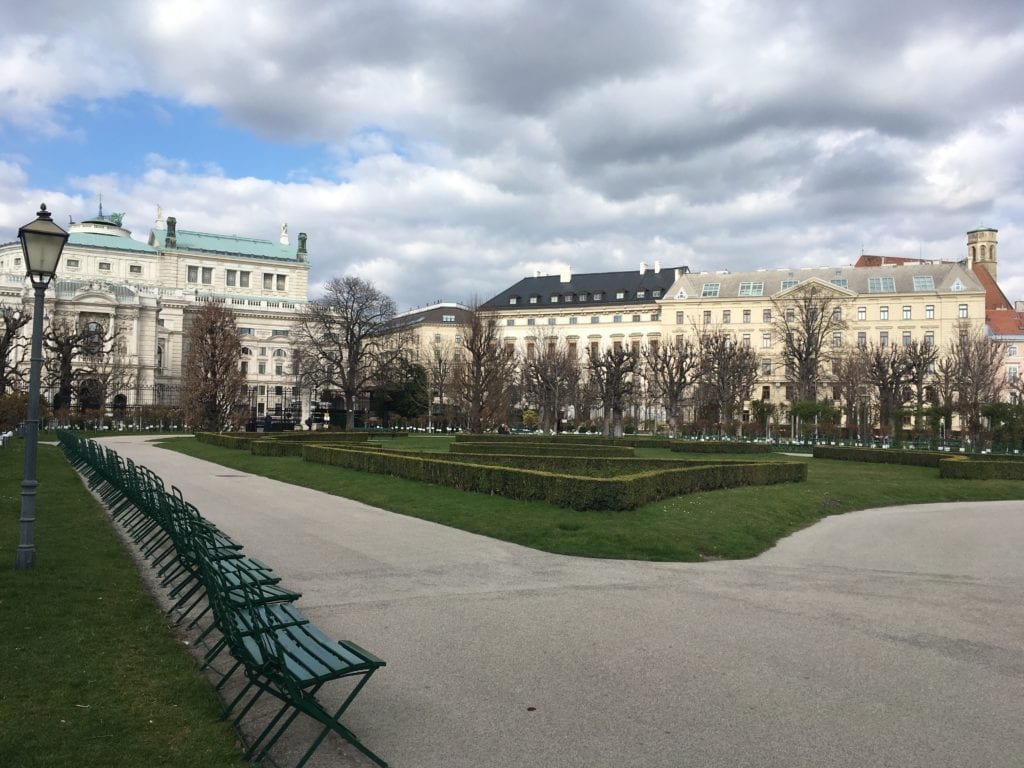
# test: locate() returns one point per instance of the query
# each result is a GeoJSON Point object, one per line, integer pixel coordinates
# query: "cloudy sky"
{"type": "Point", "coordinates": [445, 149]}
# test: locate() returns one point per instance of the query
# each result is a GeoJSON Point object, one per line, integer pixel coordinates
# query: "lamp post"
{"type": "Point", "coordinates": [42, 242]}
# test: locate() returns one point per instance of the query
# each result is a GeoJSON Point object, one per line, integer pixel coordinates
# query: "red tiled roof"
{"type": "Point", "coordinates": [994, 296]}
{"type": "Point", "coordinates": [1005, 322]}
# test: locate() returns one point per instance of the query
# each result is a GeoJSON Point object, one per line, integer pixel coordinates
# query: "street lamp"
{"type": "Point", "coordinates": [42, 242]}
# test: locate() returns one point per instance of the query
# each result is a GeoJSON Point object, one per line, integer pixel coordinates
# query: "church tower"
{"type": "Point", "coordinates": [981, 249]}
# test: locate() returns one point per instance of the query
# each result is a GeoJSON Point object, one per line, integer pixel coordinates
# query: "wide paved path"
{"type": "Point", "coordinates": [889, 637]}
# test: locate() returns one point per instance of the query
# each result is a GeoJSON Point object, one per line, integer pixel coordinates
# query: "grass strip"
{"type": "Point", "coordinates": [92, 675]}
{"type": "Point", "coordinates": [730, 523]}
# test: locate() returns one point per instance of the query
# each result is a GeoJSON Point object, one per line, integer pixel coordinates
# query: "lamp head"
{"type": "Point", "coordinates": [42, 242]}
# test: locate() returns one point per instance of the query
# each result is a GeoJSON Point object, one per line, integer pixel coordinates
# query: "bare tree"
{"type": "Point", "coordinates": [214, 384]}
{"type": "Point", "coordinates": [12, 372]}
{"type": "Point", "coordinates": [921, 358]}
{"type": "Point", "coordinates": [612, 374]}
{"type": "Point", "coordinates": [977, 361]}
{"type": "Point", "coordinates": [889, 371]}
{"type": "Point", "coordinates": [439, 363]}
{"type": "Point", "coordinates": [728, 372]}
{"type": "Point", "coordinates": [805, 321]}
{"type": "Point", "coordinates": [485, 378]}
{"type": "Point", "coordinates": [549, 375]}
{"type": "Point", "coordinates": [671, 370]}
{"type": "Point", "coordinates": [850, 372]}
{"type": "Point", "coordinates": [348, 338]}
{"type": "Point", "coordinates": [76, 347]}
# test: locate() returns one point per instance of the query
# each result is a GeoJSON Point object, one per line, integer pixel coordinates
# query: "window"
{"type": "Point", "coordinates": [746, 315]}
{"type": "Point", "coordinates": [881, 285]}
{"type": "Point", "coordinates": [262, 368]}
{"type": "Point", "coordinates": [193, 275]}
{"type": "Point", "coordinates": [620, 295]}
{"type": "Point", "coordinates": [766, 316]}
{"type": "Point", "coordinates": [957, 285]}
{"type": "Point", "coordinates": [766, 341]}
{"type": "Point", "coordinates": [929, 311]}
{"type": "Point", "coordinates": [883, 338]}
{"type": "Point", "coordinates": [568, 298]}
{"type": "Point", "coordinates": [963, 310]}
{"type": "Point", "coordinates": [746, 340]}
{"type": "Point", "coordinates": [710, 290]}
{"type": "Point", "coordinates": [883, 312]}
{"type": "Point", "coordinates": [924, 283]}
{"type": "Point", "coordinates": [862, 313]}
{"type": "Point", "coordinates": [726, 315]}
{"type": "Point", "coordinates": [513, 300]}
{"type": "Point", "coordinates": [510, 322]}
{"type": "Point", "coordinates": [268, 281]}
{"type": "Point", "coordinates": [207, 275]}
{"type": "Point", "coordinates": [790, 315]}
{"type": "Point", "coordinates": [680, 318]}
{"type": "Point", "coordinates": [707, 317]}
{"type": "Point", "coordinates": [17, 262]}
{"type": "Point", "coordinates": [104, 266]}
{"type": "Point", "coordinates": [554, 298]}
{"type": "Point", "coordinates": [244, 366]}
{"type": "Point", "coordinates": [530, 321]}
{"type": "Point", "coordinates": [447, 318]}
{"type": "Point", "coordinates": [766, 366]}
{"type": "Point", "coordinates": [551, 321]}
{"type": "Point", "coordinates": [278, 369]}
{"type": "Point", "coordinates": [1012, 372]}
{"type": "Point", "coordinates": [280, 353]}
{"type": "Point", "coordinates": [862, 338]}
{"type": "Point", "coordinates": [617, 318]}
{"type": "Point", "coordinates": [534, 299]}
{"type": "Point", "coordinates": [789, 283]}
{"type": "Point", "coordinates": [279, 332]}
{"type": "Point", "coordinates": [636, 318]}
{"type": "Point", "coordinates": [572, 320]}
{"type": "Point", "coordinates": [751, 289]}
{"type": "Point", "coordinates": [929, 338]}
{"type": "Point", "coordinates": [766, 391]}
{"type": "Point", "coordinates": [641, 294]}
{"type": "Point", "coordinates": [837, 339]}
{"type": "Point", "coordinates": [281, 281]}
{"type": "Point", "coordinates": [906, 338]}
{"type": "Point", "coordinates": [837, 314]}
{"type": "Point", "coordinates": [906, 312]}
{"type": "Point", "coordinates": [243, 279]}
{"type": "Point", "coordinates": [437, 338]}
{"type": "Point", "coordinates": [1011, 351]}
{"type": "Point", "coordinates": [263, 351]}
{"type": "Point", "coordinates": [70, 263]}
{"type": "Point", "coordinates": [598, 295]}
{"type": "Point", "coordinates": [656, 293]}
{"type": "Point", "coordinates": [135, 269]}
{"type": "Point", "coordinates": [595, 319]}
{"type": "Point", "coordinates": [840, 282]}
{"type": "Point", "coordinates": [230, 277]}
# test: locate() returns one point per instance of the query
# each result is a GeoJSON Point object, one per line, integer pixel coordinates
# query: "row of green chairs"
{"type": "Point", "coordinates": [236, 603]}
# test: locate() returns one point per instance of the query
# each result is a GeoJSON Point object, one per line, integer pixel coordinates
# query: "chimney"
{"type": "Point", "coordinates": [679, 272]}
{"type": "Point", "coordinates": [657, 267]}
{"type": "Point", "coordinates": [643, 267]}
{"type": "Point", "coordinates": [566, 274]}
{"type": "Point", "coordinates": [172, 232]}
{"type": "Point", "coordinates": [302, 246]}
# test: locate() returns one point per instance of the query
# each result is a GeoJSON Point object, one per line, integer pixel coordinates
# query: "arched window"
{"type": "Point", "coordinates": [280, 353]}
{"type": "Point", "coordinates": [92, 338]}
{"type": "Point", "coordinates": [246, 352]}
{"type": "Point", "coordinates": [159, 357]}
{"type": "Point", "coordinates": [983, 252]}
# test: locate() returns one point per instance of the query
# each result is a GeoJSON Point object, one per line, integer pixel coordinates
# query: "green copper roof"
{"type": "Point", "coordinates": [226, 244]}
{"type": "Point", "coordinates": [92, 240]}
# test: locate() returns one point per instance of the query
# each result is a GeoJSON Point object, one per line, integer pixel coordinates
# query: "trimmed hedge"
{"type": "Point", "coordinates": [576, 492]}
{"type": "Point", "coordinates": [567, 464]}
{"type": "Point", "coordinates": [225, 440]}
{"type": "Point", "coordinates": [511, 448]}
{"type": "Point", "coordinates": [318, 436]}
{"type": "Point", "coordinates": [880, 455]}
{"type": "Point", "coordinates": [719, 446]}
{"type": "Point", "coordinates": [960, 468]}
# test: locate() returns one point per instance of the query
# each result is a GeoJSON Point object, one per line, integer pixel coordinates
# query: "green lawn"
{"type": "Point", "coordinates": [90, 673]}
{"type": "Point", "coordinates": [733, 523]}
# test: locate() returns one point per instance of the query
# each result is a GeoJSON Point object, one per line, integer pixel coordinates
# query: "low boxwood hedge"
{"type": "Point", "coordinates": [719, 446]}
{"type": "Point", "coordinates": [325, 436]}
{"type": "Point", "coordinates": [990, 468]}
{"type": "Point", "coordinates": [224, 439]}
{"type": "Point", "coordinates": [879, 455]}
{"type": "Point", "coordinates": [566, 463]}
{"type": "Point", "coordinates": [574, 491]}
{"type": "Point", "coordinates": [543, 449]}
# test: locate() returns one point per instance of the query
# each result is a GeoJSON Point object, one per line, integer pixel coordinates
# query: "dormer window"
{"type": "Point", "coordinates": [534, 299]}
{"type": "Point", "coordinates": [620, 295]}
{"type": "Point", "coordinates": [554, 298]}
{"type": "Point", "coordinates": [513, 300]}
